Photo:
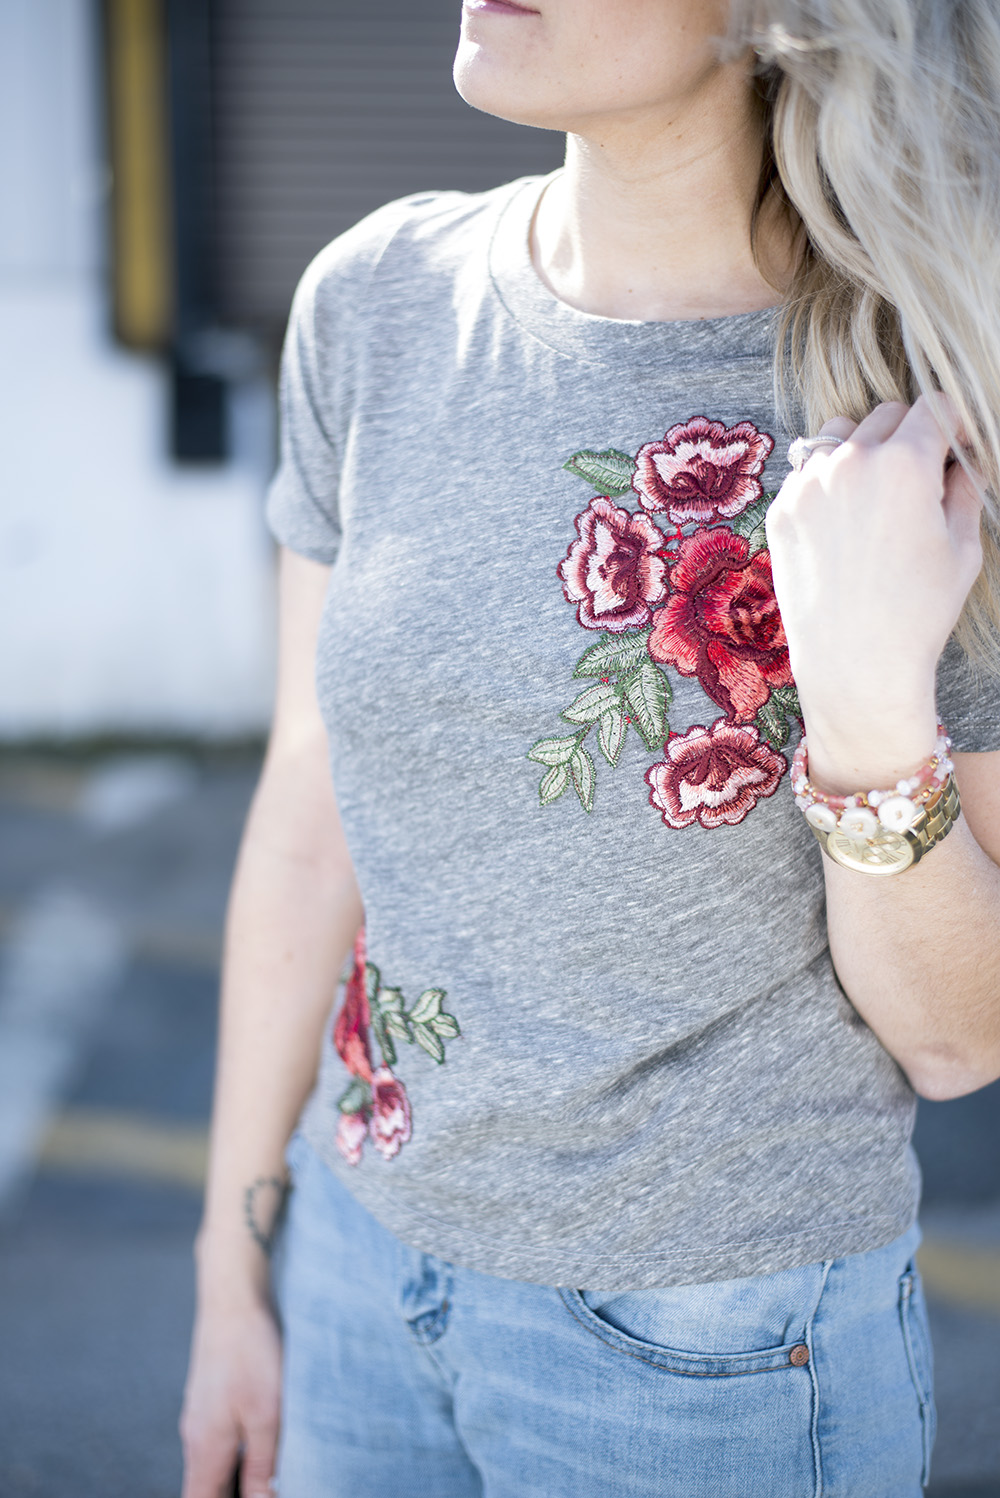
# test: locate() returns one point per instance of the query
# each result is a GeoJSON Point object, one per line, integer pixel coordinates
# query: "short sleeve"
{"type": "Point", "coordinates": [302, 509]}
{"type": "Point", "coordinates": [333, 315]}
{"type": "Point", "coordinates": [968, 698]}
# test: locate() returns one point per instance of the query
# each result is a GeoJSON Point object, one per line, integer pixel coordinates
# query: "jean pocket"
{"type": "Point", "coordinates": [787, 1355]}
{"type": "Point", "coordinates": [917, 1340]}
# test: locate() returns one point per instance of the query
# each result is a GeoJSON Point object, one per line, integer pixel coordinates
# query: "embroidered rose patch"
{"type": "Point", "coordinates": [375, 1104]}
{"type": "Point", "coordinates": [697, 598]}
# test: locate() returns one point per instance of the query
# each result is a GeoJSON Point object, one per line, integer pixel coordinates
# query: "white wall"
{"type": "Point", "coordinates": [135, 596]}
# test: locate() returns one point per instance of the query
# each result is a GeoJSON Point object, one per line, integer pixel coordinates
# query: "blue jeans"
{"type": "Point", "coordinates": [410, 1377]}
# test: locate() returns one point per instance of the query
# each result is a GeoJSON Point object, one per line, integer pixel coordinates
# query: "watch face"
{"type": "Point", "coordinates": [886, 853]}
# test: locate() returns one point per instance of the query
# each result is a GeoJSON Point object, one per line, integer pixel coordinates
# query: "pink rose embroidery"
{"type": "Point", "coordinates": [614, 572]}
{"type": "Point", "coordinates": [722, 623]}
{"type": "Point", "coordinates": [390, 1124]}
{"type": "Point", "coordinates": [702, 470]}
{"type": "Point", "coordinates": [352, 1131]}
{"type": "Point", "coordinates": [715, 775]}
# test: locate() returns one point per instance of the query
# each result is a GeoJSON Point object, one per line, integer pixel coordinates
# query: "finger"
{"type": "Point", "coordinates": [963, 506]}
{"type": "Point", "coordinates": [882, 423]}
{"type": "Point", "coordinates": [838, 426]}
{"type": "Point", "coordinates": [258, 1461]}
{"type": "Point", "coordinates": [208, 1469]}
{"type": "Point", "coordinates": [922, 428]}
{"type": "Point", "coordinates": [945, 412]}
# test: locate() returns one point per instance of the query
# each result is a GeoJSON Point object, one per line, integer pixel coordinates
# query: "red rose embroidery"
{"type": "Point", "coordinates": [715, 775]}
{"type": "Point", "coordinates": [613, 572]}
{"type": "Point", "coordinates": [390, 1125]}
{"type": "Point", "coordinates": [722, 623]}
{"type": "Point", "coordinates": [352, 1131]}
{"type": "Point", "coordinates": [350, 1033]}
{"type": "Point", "coordinates": [702, 470]}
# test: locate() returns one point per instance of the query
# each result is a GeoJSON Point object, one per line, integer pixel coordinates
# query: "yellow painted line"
{"type": "Point", "coordinates": [126, 1144]}
{"type": "Point", "coordinates": [961, 1275]}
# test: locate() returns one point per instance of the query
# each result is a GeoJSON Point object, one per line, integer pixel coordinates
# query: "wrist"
{"type": "Point", "coordinates": [231, 1270]}
{"type": "Point", "coordinates": [855, 752]}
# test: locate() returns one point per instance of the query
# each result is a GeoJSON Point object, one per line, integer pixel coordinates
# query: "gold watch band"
{"type": "Point", "coordinates": [891, 852]}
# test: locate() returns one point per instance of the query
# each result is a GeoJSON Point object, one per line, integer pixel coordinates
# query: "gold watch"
{"type": "Point", "coordinates": [891, 852]}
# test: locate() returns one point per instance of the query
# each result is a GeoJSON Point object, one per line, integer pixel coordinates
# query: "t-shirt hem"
{"type": "Point", "coordinates": [545, 1265]}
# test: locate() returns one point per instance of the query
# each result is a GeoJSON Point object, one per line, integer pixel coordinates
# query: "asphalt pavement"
{"type": "Point", "coordinates": [113, 877]}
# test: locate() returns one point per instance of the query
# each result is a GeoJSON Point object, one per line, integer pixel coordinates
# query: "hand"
{"type": "Point", "coordinates": [874, 547]}
{"type": "Point", "coordinates": [232, 1403]}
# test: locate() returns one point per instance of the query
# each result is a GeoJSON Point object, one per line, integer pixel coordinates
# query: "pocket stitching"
{"type": "Point", "coordinates": [664, 1359]}
{"type": "Point", "coordinates": [919, 1368]}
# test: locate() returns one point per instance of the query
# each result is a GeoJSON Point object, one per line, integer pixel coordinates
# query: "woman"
{"type": "Point", "coordinates": [615, 1111]}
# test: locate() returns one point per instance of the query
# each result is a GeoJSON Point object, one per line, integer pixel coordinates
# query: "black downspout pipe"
{"type": "Point", "coordinates": [199, 426]}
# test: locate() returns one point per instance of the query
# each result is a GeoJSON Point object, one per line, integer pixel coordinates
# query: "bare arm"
{"type": "Point", "coordinates": [294, 911]}
{"type": "Point", "coordinates": [919, 953]}
{"type": "Point", "coordinates": [874, 549]}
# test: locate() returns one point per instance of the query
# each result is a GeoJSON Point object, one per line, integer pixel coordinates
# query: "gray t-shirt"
{"type": "Point", "coordinates": [595, 1037]}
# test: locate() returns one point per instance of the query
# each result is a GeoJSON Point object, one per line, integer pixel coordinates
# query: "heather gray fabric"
{"type": "Point", "coordinates": [657, 1078]}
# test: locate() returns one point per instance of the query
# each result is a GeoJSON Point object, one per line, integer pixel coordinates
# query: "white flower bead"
{"type": "Point", "coordinates": [821, 817]}
{"type": "Point", "coordinates": [897, 813]}
{"type": "Point", "coordinates": [859, 823]}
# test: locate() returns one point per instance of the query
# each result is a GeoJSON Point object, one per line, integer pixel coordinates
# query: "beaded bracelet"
{"type": "Point", "coordinates": [866, 813]}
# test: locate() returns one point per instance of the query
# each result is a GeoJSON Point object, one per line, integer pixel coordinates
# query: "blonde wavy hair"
{"type": "Point", "coordinates": [882, 130]}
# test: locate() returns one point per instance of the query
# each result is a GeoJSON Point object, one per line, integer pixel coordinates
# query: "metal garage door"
{"type": "Point", "coordinates": [324, 109]}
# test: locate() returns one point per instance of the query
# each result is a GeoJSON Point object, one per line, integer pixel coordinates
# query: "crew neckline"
{"type": "Point", "coordinates": [607, 340]}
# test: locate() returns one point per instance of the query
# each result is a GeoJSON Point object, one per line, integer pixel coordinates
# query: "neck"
{"type": "Point", "coordinates": [651, 220]}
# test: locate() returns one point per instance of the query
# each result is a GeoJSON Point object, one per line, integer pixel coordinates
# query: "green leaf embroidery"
{"type": "Point", "coordinates": [390, 1000]}
{"type": "Point", "coordinates": [381, 1032]}
{"type": "Point", "coordinates": [399, 1026]}
{"type": "Point", "coordinates": [553, 751]}
{"type": "Point", "coordinates": [773, 718]}
{"type": "Point", "coordinates": [592, 704]}
{"type": "Point", "coordinates": [789, 699]}
{"type": "Point", "coordinates": [751, 524]}
{"type": "Point", "coordinates": [648, 694]}
{"type": "Point", "coordinates": [374, 991]}
{"type": "Point", "coordinates": [584, 777]}
{"type": "Point", "coordinates": [611, 734]}
{"type": "Point", "coordinates": [614, 654]}
{"type": "Point", "coordinates": [357, 1096]}
{"type": "Point", "coordinates": [426, 1023]}
{"type": "Point", "coordinates": [425, 1037]}
{"type": "Point", "coordinates": [610, 472]}
{"type": "Point", "coordinates": [427, 1006]}
{"type": "Point", "coordinates": [554, 782]}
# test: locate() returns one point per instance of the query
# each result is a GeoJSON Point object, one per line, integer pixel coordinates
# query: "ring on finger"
{"type": "Point", "coordinates": [802, 449]}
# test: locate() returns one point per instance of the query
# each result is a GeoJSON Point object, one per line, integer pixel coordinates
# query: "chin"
{"type": "Point", "coordinates": [502, 85]}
